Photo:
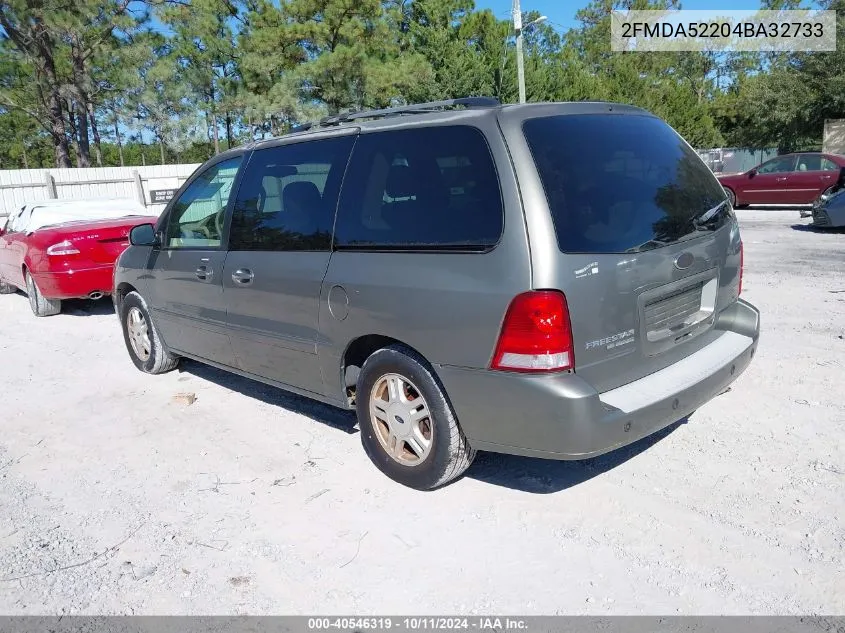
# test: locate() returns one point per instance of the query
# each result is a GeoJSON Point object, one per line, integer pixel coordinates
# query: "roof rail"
{"type": "Point", "coordinates": [415, 108]}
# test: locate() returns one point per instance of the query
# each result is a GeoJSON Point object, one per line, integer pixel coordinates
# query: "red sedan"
{"type": "Point", "coordinates": [787, 179]}
{"type": "Point", "coordinates": [50, 253]}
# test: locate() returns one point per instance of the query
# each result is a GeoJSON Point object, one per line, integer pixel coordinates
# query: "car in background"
{"type": "Point", "coordinates": [56, 250]}
{"type": "Point", "coordinates": [788, 179]}
{"type": "Point", "coordinates": [829, 211]}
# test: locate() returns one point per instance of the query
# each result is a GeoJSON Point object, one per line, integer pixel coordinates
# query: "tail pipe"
{"type": "Point", "coordinates": [94, 296]}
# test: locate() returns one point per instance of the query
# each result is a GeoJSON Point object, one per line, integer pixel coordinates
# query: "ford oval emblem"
{"type": "Point", "coordinates": [684, 261]}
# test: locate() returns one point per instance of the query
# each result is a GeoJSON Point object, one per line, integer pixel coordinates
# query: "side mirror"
{"type": "Point", "coordinates": [143, 235]}
{"type": "Point", "coordinates": [752, 172]}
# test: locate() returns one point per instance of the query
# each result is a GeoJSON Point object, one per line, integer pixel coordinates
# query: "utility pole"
{"type": "Point", "coordinates": [519, 27]}
{"type": "Point", "coordinates": [520, 64]}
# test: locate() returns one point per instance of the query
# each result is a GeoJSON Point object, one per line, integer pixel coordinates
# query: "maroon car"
{"type": "Point", "coordinates": [787, 179]}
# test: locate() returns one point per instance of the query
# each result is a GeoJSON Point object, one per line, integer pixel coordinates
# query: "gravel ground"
{"type": "Point", "coordinates": [116, 499]}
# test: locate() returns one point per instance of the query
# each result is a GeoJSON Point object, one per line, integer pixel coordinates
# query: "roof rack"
{"type": "Point", "coordinates": [415, 108]}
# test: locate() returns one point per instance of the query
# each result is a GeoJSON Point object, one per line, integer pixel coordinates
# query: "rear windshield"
{"type": "Point", "coordinates": [621, 183]}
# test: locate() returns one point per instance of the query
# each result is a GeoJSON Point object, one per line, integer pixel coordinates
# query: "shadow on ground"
{"type": "Point", "coordinates": [79, 307]}
{"type": "Point", "coordinates": [87, 307]}
{"type": "Point", "coordinates": [810, 228]}
{"type": "Point", "coordinates": [537, 476]}
{"type": "Point", "coordinates": [544, 476]}
{"type": "Point", "coordinates": [324, 414]}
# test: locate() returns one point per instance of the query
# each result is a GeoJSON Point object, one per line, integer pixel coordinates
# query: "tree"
{"type": "Point", "coordinates": [203, 49]}
{"type": "Point", "coordinates": [26, 27]}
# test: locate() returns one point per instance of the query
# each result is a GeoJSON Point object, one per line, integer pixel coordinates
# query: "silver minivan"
{"type": "Point", "coordinates": [553, 280]}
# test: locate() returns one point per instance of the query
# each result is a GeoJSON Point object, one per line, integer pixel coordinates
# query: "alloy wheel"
{"type": "Point", "coordinates": [139, 333]}
{"type": "Point", "coordinates": [401, 419]}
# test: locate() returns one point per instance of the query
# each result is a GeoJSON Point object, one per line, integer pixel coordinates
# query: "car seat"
{"type": "Point", "coordinates": [302, 208]}
{"type": "Point", "coordinates": [402, 212]}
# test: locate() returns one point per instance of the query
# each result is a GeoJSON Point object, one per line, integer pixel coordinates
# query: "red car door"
{"type": "Point", "coordinates": [769, 183]}
{"type": "Point", "coordinates": [813, 174]}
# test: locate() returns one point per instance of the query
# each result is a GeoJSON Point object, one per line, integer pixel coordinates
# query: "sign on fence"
{"type": "Point", "coordinates": [162, 196]}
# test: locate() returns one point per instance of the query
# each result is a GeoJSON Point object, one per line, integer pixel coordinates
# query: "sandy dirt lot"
{"type": "Point", "coordinates": [115, 499]}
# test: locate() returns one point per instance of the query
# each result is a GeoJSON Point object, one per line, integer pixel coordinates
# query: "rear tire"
{"type": "Point", "coordinates": [408, 428]}
{"type": "Point", "coordinates": [7, 289]}
{"type": "Point", "coordinates": [142, 338]}
{"type": "Point", "coordinates": [41, 305]}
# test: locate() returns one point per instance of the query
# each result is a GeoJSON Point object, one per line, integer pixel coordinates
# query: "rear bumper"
{"type": "Point", "coordinates": [820, 218]}
{"type": "Point", "coordinates": [563, 417]}
{"type": "Point", "coordinates": [832, 217]}
{"type": "Point", "coordinates": [75, 284]}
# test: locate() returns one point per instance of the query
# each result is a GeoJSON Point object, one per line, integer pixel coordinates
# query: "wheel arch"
{"type": "Point", "coordinates": [123, 289]}
{"type": "Point", "coordinates": [359, 349]}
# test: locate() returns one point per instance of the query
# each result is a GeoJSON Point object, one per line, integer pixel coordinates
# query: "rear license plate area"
{"type": "Point", "coordinates": [678, 311]}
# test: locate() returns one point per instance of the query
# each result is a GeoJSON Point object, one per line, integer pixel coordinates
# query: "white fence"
{"type": "Point", "coordinates": [18, 186]}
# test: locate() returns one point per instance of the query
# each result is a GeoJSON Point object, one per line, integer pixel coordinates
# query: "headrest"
{"type": "Point", "coordinates": [401, 182]}
{"type": "Point", "coordinates": [303, 195]}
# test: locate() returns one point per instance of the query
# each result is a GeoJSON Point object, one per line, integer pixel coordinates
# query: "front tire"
{"type": "Point", "coordinates": [731, 197]}
{"type": "Point", "coordinates": [41, 305]}
{"type": "Point", "coordinates": [142, 338]}
{"type": "Point", "coordinates": [408, 428]}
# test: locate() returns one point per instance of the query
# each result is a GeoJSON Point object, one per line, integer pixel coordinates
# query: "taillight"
{"type": "Point", "coordinates": [63, 248]}
{"type": "Point", "coordinates": [741, 266]}
{"type": "Point", "coordinates": [536, 335]}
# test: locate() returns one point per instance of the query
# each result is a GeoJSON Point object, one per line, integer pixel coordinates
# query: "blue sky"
{"type": "Point", "coordinates": [561, 13]}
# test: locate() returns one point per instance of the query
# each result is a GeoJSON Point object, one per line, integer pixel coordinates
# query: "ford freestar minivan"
{"type": "Point", "coordinates": [553, 280]}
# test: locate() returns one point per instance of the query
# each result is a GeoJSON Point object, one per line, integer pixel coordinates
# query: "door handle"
{"type": "Point", "coordinates": [243, 276]}
{"type": "Point", "coordinates": [782, 178]}
{"type": "Point", "coordinates": [204, 273]}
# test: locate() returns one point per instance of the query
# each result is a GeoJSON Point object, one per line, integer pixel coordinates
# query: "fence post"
{"type": "Point", "coordinates": [140, 187]}
{"type": "Point", "coordinates": [50, 183]}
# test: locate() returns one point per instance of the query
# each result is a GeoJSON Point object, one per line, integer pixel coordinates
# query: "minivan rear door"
{"type": "Point", "coordinates": [626, 219]}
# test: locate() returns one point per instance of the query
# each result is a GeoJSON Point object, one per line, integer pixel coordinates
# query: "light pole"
{"type": "Point", "coordinates": [519, 27]}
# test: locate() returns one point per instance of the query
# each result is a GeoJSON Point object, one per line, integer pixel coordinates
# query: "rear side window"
{"type": "Point", "coordinates": [421, 189]}
{"type": "Point", "coordinates": [288, 196]}
{"type": "Point", "coordinates": [620, 183]}
{"type": "Point", "coordinates": [810, 162]}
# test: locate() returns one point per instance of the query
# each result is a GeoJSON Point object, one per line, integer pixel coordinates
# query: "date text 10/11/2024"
{"type": "Point", "coordinates": [478, 623]}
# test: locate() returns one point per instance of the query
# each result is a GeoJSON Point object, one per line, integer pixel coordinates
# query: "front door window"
{"type": "Point", "coordinates": [196, 218]}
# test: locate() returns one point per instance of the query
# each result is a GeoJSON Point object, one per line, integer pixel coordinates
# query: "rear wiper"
{"type": "Point", "coordinates": [647, 246]}
{"type": "Point", "coordinates": [700, 220]}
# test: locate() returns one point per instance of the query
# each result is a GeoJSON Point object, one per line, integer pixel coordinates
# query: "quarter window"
{"type": "Point", "coordinates": [421, 189]}
{"type": "Point", "coordinates": [196, 218]}
{"type": "Point", "coordinates": [288, 196]}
